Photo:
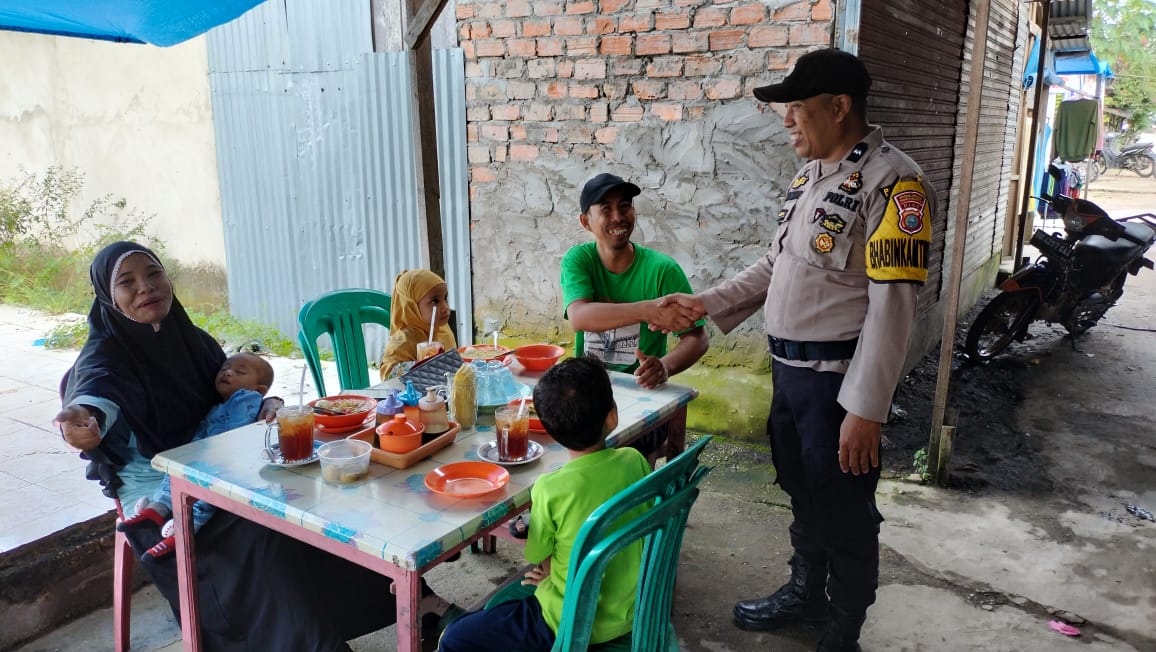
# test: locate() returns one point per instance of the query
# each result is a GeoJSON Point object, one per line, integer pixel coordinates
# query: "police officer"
{"type": "Point", "coordinates": [838, 289]}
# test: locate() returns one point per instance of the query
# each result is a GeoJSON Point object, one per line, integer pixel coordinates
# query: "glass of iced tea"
{"type": "Point", "coordinates": [428, 350]}
{"type": "Point", "coordinates": [513, 428]}
{"type": "Point", "coordinates": [294, 427]}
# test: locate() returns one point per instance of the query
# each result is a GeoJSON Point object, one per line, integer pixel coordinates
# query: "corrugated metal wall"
{"type": "Point", "coordinates": [994, 150]}
{"type": "Point", "coordinates": [913, 49]}
{"type": "Point", "coordinates": [315, 155]}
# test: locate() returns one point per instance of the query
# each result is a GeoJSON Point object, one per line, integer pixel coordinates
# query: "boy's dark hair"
{"type": "Point", "coordinates": [572, 400]}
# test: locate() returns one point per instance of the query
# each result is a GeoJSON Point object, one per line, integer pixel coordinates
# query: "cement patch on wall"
{"type": "Point", "coordinates": [135, 120]}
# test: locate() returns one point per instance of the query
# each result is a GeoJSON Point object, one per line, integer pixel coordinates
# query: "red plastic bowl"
{"type": "Point", "coordinates": [538, 357]}
{"type": "Point", "coordinates": [348, 419]}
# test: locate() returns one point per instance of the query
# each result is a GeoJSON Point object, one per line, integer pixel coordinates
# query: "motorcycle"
{"type": "Point", "coordinates": [1078, 277]}
{"type": "Point", "coordinates": [1137, 157]}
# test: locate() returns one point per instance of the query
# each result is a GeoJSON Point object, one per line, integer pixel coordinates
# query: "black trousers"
{"type": "Point", "coordinates": [836, 523]}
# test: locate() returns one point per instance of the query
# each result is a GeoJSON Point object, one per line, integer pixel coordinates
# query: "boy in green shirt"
{"type": "Point", "coordinates": [575, 402]}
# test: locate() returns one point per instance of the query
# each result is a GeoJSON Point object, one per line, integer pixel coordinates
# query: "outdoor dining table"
{"type": "Point", "coordinates": [390, 522]}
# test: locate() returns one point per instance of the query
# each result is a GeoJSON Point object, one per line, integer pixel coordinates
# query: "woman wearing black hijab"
{"type": "Point", "coordinates": [142, 383]}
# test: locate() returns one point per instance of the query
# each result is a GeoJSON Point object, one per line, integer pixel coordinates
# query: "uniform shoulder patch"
{"type": "Point", "coordinates": [898, 249]}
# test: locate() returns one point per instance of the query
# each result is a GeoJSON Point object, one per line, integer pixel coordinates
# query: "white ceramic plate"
{"type": "Point", "coordinates": [280, 461]}
{"type": "Point", "coordinates": [489, 453]}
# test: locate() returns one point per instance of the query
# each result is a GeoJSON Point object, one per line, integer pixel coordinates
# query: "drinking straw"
{"type": "Point", "coordinates": [432, 321]}
{"type": "Point", "coordinates": [522, 407]}
{"type": "Point", "coordinates": [495, 337]}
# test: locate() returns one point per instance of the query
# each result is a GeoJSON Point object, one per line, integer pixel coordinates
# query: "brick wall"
{"type": "Point", "coordinates": [658, 91]}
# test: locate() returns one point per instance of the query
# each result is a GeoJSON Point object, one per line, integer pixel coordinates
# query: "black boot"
{"type": "Point", "coordinates": [841, 633]}
{"type": "Point", "coordinates": [802, 600]}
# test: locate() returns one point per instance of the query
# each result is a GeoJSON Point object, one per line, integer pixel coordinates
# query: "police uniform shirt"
{"type": "Point", "coordinates": [847, 260]}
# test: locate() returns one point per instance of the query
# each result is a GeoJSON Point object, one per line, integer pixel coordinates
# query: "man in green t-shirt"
{"type": "Point", "coordinates": [611, 288]}
{"type": "Point", "coordinates": [575, 402]}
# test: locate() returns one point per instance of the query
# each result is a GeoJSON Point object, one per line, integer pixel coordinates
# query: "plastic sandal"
{"type": "Point", "coordinates": [519, 527]}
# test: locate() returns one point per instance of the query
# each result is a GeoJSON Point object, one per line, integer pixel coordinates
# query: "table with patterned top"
{"type": "Point", "coordinates": [390, 522]}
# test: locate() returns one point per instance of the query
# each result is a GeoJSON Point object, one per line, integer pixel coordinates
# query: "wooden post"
{"type": "Point", "coordinates": [959, 240]}
{"type": "Point", "coordinates": [1038, 120]}
{"type": "Point", "coordinates": [943, 463]}
{"type": "Point", "coordinates": [420, 18]}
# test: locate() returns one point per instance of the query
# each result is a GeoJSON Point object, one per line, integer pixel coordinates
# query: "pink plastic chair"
{"type": "Point", "coordinates": [122, 557]}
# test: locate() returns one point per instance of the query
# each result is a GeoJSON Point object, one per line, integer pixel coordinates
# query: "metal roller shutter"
{"type": "Point", "coordinates": [914, 50]}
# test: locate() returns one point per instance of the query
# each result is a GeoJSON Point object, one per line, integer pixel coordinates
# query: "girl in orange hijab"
{"type": "Point", "coordinates": [418, 295]}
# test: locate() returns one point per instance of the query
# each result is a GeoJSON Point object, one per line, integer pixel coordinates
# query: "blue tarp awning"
{"type": "Point", "coordinates": [159, 22]}
{"type": "Point", "coordinates": [1083, 62]}
{"type": "Point", "coordinates": [1076, 62]}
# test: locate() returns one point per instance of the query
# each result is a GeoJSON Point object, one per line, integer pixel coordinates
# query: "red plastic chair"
{"type": "Point", "coordinates": [122, 557]}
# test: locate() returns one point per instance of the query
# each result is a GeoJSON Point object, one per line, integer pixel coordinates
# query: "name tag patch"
{"type": "Point", "coordinates": [843, 201]}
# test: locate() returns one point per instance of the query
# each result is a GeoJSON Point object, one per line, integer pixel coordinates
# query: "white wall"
{"type": "Point", "coordinates": [134, 119]}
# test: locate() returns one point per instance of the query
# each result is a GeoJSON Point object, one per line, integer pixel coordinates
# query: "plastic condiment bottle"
{"type": "Point", "coordinates": [389, 406]}
{"type": "Point", "coordinates": [464, 395]}
{"type": "Point", "coordinates": [433, 413]}
{"type": "Point", "coordinates": [409, 398]}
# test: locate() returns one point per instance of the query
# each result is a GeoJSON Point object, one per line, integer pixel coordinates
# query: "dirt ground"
{"type": "Point", "coordinates": [993, 450]}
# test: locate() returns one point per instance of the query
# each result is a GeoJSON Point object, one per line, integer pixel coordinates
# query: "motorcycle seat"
{"type": "Point", "coordinates": [1102, 251]}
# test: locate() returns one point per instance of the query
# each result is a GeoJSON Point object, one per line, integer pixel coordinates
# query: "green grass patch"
{"type": "Point", "coordinates": [38, 270]}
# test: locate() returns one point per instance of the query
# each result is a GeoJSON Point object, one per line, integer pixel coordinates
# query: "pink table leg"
{"type": "Point", "coordinates": [186, 565]}
{"type": "Point", "coordinates": [408, 590]}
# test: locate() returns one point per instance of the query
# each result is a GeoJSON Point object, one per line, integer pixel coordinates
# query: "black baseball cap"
{"type": "Point", "coordinates": [822, 71]}
{"type": "Point", "coordinates": [596, 188]}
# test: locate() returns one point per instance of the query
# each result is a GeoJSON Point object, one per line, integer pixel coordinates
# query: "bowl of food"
{"type": "Point", "coordinates": [344, 461]}
{"type": "Point", "coordinates": [484, 352]}
{"type": "Point", "coordinates": [343, 411]}
{"type": "Point", "coordinates": [538, 357]}
{"type": "Point", "coordinates": [535, 423]}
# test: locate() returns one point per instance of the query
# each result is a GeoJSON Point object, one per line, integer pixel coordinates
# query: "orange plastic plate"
{"type": "Point", "coordinates": [466, 479]}
{"type": "Point", "coordinates": [485, 352]}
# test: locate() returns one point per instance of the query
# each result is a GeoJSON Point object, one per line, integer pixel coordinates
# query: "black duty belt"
{"type": "Point", "coordinates": [807, 351]}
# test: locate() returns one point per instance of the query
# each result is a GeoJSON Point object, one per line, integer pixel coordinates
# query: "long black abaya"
{"type": "Point", "coordinates": [259, 590]}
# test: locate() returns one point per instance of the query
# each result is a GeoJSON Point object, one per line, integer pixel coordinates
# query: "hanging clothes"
{"type": "Point", "coordinates": [1077, 130]}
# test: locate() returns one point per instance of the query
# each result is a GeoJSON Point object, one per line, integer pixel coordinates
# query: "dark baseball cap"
{"type": "Point", "coordinates": [822, 71]}
{"type": "Point", "coordinates": [596, 188]}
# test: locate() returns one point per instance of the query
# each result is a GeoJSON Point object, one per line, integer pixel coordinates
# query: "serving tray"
{"type": "Point", "coordinates": [406, 460]}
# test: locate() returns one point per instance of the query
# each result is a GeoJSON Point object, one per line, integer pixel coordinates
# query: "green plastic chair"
{"type": "Point", "coordinates": [341, 314]}
{"type": "Point", "coordinates": [672, 489]}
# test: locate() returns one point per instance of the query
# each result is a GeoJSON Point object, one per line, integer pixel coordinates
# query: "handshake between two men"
{"type": "Point", "coordinates": [675, 313]}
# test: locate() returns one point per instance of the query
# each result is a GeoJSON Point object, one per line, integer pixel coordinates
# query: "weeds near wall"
{"type": "Point", "coordinates": [920, 464]}
{"type": "Point", "coordinates": [46, 247]}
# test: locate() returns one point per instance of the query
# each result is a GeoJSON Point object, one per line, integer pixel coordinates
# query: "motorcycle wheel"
{"type": "Point", "coordinates": [1087, 316]}
{"type": "Point", "coordinates": [998, 324]}
{"type": "Point", "coordinates": [1094, 172]}
{"type": "Point", "coordinates": [1142, 164]}
{"type": "Point", "coordinates": [1100, 165]}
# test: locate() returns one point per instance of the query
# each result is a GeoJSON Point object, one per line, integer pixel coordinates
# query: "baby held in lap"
{"type": "Point", "coordinates": [242, 382]}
